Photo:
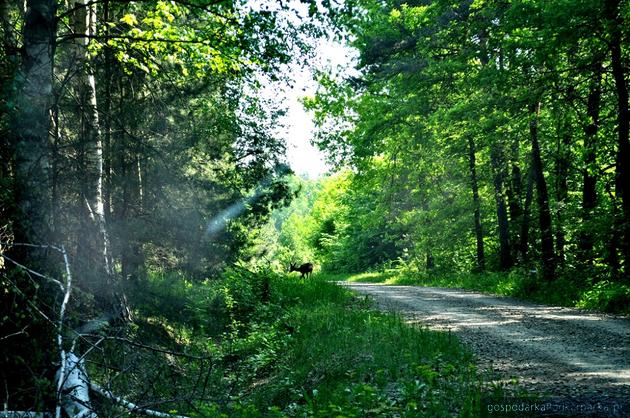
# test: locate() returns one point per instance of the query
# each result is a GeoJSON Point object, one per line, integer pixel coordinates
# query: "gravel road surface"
{"type": "Point", "coordinates": [579, 359]}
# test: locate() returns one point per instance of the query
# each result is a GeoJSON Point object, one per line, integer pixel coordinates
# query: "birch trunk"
{"type": "Point", "coordinates": [95, 244]}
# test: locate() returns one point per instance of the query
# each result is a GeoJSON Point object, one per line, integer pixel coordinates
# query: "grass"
{"type": "Point", "coordinates": [300, 348]}
{"type": "Point", "coordinates": [604, 296]}
{"type": "Point", "coordinates": [349, 360]}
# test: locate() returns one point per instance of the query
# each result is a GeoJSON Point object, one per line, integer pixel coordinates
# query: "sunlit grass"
{"type": "Point", "coordinates": [310, 348]}
{"type": "Point", "coordinates": [369, 277]}
{"type": "Point", "coordinates": [344, 359]}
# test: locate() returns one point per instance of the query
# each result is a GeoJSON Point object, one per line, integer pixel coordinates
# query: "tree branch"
{"type": "Point", "coordinates": [204, 6]}
{"type": "Point", "coordinates": [132, 407]}
{"type": "Point", "coordinates": [151, 348]}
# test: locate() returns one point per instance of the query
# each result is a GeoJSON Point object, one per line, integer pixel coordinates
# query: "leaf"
{"type": "Point", "coordinates": [129, 19]}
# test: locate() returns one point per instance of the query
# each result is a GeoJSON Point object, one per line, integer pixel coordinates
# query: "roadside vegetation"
{"type": "Point", "coordinates": [481, 145]}
{"type": "Point", "coordinates": [147, 208]}
{"type": "Point", "coordinates": [604, 296]}
{"type": "Point", "coordinates": [333, 223]}
{"type": "Point", "coordinates": [268, 344]}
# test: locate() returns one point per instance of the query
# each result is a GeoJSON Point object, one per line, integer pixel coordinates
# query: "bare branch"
{"type": "Point", "coordinates": [22, 331]}
{"type": "Point", "coordinates": [132, 407]}
{"type": "Point", "coordinates": [72, 36]}
{"type": "Point", "coordinates": [24, 244]}
{"type": "Point", "coordinates": [151, 348]}
{"type": "Point", "coordinates": [204, 6]}
{"type": "Point", "coordinates": [33, 272]}
{"type": "Point", "coordinates": [24, 414]}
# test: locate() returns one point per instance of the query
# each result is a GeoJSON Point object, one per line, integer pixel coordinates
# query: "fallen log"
{"type": "Point", "coordinates": [132, 407]}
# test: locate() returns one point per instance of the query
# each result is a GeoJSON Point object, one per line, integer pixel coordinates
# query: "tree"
{"type": "Point", "coordinates": [136, 127]}
{"type": "Point", "coordinates": [31, 127]}
{"type": "Point", "coordinates": [615, 20]}
{"type": "Point", "coordinates": [483, 80]}
{"type": "Point", "coordinates": [93, 245]}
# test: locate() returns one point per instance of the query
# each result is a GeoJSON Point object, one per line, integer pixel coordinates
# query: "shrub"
{"type": "Point", "coordinates": [608, 297]}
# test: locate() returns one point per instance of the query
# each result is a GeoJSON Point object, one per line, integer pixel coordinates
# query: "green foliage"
{"type": "Point", "coordinates": [606, 296]}
{"type": "Point", "coordinates": [437, 126]}
{"type": "Point", "coordinates": [310, 349]}
{"type": "Point", "coordinates": [344, 362]}
{"type": "Point", "coordinates": [603, 296]}
{"type": "Point", "coordinates": [310, 228]}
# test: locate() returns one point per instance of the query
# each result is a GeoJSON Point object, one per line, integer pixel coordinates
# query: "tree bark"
{"type": "Point", "coordinates": [527, 208]}
{"type": "Point", "coordinates": [107, 120]}
{"type": "Point", "coordinates": [562, 187]}
{"type": "Point", "coordinates": [544, 214]}
{"type": "Point", "coordinates": [622, 166]}
{"type": "Point", "coordinates": [31, 127]}
{"type": "Point", "coordinates": [430, 261]}
{"type": "Point", "coordinates": [505, 255]}
{"type": "Point", "coordinates": [481, 260]}
{"type": "Point", "coordinates": [589, 171]}
{"type": "Point", "coordinates": [94, 245]}
{"type": "Point", "coordinates": [513, 192]}
{"type": "Point", "coordinates": [611, 257]}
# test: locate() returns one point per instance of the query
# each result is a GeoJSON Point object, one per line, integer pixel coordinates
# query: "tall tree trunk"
{"type": "Point", "coordinates": [481, 260]}
{"type": "Point", "coordinates": [55, 157]}
{"type": "Point", "coordinates": [562, 187]}
{"type": "Point", "coordinates": [544, 214]}
{"type": "Point", "coordinates": [31, 126]}
{"type": "Point", "coordinates": [496, 159]}
{"type": "Point", "coordinates": [430, 261]}
{"type": "Point", "coordinates": [96, 240]}
{"type": "Point", "coordinates": [527, 209]}
{"type": "Point", "coordinates": [611, 257]}
{"type": "Point", "coordinates": [10, 61]}
{"type": "Point", "coordinates": [30, 355]}
{"type": "Point", "coordinates": [589, 186]}
{"type": "Point", "coordinates": [513, 192]}
{"type": "Point", "coordinates": [622, 169]}
{"type": "Point", "coordinates": [132, 259]}
{"type": "Point", "coordinates": [107, 120]}
{"type": "Point", "coordinates": [129, 207]}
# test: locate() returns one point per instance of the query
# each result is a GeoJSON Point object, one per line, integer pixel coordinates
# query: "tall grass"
{"type": "Point", "coordinates": [283, 346]}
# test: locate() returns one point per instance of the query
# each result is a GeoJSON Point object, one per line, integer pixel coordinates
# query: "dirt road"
{"type": "Point", "coordinates": [558, 352]}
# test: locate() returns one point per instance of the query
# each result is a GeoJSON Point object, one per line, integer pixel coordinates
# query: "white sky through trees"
{"type": "Point", "coordinates": [304, 158]}
{"type": "Point", "coordinates": [297, 127]}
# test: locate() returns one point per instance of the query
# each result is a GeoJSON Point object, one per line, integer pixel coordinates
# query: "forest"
{"type": "Point", "coordinates": [151, 224]}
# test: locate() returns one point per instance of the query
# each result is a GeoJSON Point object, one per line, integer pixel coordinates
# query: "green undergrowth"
{"type": "Point", "coordinates": [265, 344]}
{"type": "Point", "coordinates": [575, 291]}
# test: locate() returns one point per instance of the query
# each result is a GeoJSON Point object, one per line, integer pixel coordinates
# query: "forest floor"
{"type": "Point", "coordinates": [575, 358]}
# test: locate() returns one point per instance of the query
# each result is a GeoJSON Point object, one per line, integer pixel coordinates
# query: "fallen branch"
{"type": "Point", "coordinates": [132, 407]}
{"type": "Point", "coordinates": [33, 272]}
{"type": "Point", "coordinates": [74, 391]}
{"type": "Point", "coordinates": [151, 348]}
{"type": "Point", "coordinates": [22, 331]}
{"type": "Point", "coordinates": [73, 384]}
{"type": "Point", "coordinates": [76, 371]}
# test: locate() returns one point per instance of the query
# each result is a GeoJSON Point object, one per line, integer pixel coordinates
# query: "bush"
{"type": "Point", "coordinates": [608, 297]}
{"type": "Point", "coordinates": [282, 346]}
